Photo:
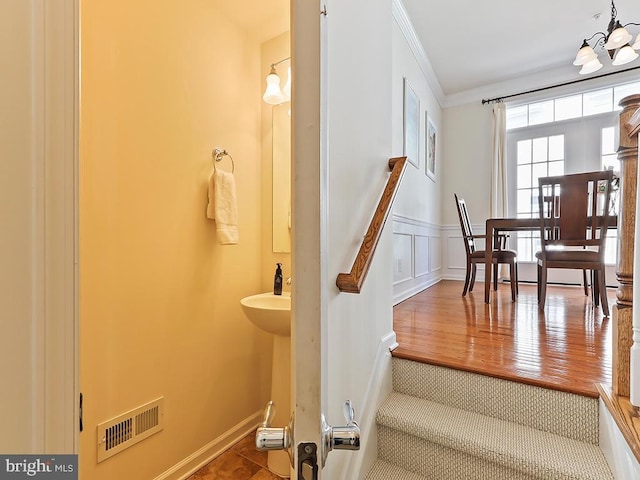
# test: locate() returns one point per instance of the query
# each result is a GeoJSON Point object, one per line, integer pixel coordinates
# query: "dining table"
{"type": "Point", "coordinates": [499, 224]}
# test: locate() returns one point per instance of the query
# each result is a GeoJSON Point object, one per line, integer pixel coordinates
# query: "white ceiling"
{"type": "Point", "coordinates": [481, 48]}
{"type": "Point", "coordinates": [474, 45]}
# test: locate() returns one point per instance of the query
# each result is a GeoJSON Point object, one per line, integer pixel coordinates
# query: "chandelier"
{"type": "Point", "coordinates": [616, 41]}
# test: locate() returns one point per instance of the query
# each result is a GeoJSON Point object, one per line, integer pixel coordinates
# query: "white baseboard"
{"type": "Point", "coordinates": [380, 385]}
{"type": "Point", "coordinates": [401, 294]}
{"type": "Point", "coordinates": [621, 460]}
{"type": "Point", "coordinates": [211, 450]}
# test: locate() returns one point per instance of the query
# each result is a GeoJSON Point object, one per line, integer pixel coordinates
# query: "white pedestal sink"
{"type": "Point", "coordinates": [269, 312]}
{"type": "Point", "coordinates": [272, 314]}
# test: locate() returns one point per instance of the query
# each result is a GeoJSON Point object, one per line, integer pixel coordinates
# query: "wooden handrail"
{"type": "Point", "coordinates": [352, 282]}
{"type": "Point", "coordinates": [623, 319]}
{"type": "Point", "coordinates": [616, 397]}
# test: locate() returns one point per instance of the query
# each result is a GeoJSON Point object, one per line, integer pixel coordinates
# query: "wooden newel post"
{"type": "Point", "coordinates": [623, 311]}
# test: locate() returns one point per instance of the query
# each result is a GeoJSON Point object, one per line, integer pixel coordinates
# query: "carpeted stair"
{"type": "Point", "coordinates": [445, 424]}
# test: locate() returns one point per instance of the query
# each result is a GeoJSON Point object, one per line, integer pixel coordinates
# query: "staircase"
{"type": "Point", "coordinates": [445, 424]}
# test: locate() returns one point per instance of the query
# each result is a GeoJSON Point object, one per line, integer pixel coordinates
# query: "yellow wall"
{"type": "Point", "coordinates": [163, 83]}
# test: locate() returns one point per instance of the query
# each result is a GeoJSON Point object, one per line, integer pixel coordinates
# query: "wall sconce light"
{"type": "Point", "coordinates": [273, 95]}
{"type": "Point", "coordinates": [616, 41]}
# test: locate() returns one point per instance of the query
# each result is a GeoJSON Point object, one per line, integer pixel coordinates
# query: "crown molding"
{"type": "Point", "coordinates": [401, 16]}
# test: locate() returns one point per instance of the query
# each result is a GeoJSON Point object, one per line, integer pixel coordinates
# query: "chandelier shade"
{"type": "Point", "coordinates": [625, 55]}
{"type": "Point", "coordinates": [585, 54]}
{"type": "Point", "coordinates": [618, 38]}
{"type": "Point", "coordinates": [591, 66]}
{"type": "Point", "coordinates": [616, 41]}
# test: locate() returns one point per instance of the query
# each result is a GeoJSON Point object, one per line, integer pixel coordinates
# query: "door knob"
{"type": "Point", "coordinates": [345, 437]}
{"type": "Point", "coordinates": [273, 438]}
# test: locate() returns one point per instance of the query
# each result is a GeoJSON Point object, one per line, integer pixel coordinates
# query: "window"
{"type": "Point", "coordinates": [585, 104]}
{"type": "Point", "coordinates": [557, 136]}
{"type": "Point", "coordinates": [608, 149]}
{"type": "Point", "coordinates": [609, 159]}
{"type": "Point", "coordinates": [535, 157]}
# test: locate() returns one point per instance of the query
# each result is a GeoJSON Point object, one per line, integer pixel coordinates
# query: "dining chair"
{"type": "Point", "coordinates": [549, 206]}
{"type": "Point", "coordinates": [573, 229]}
{"type": "Point", "coordinates": [500, 255]}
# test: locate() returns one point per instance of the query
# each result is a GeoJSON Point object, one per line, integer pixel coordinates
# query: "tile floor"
{"type": "Point", "coordinates": [240, 462]}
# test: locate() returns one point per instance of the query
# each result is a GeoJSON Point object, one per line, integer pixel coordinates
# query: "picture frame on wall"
{"type": "Point", "coordinates": [411, 125]}
{"type": "Point", "coordinates": [430, 145]}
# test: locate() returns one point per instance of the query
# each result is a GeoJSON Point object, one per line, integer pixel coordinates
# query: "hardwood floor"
{"type": "Point", "coordinates": [240, 462]}
{"type": "Point", "coordinates": [567, 347]}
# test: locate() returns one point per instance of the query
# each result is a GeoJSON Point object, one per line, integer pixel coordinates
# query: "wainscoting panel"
{"type": "Point", "coordinates": [421, 254]}
{"type": "Point", "coordinates": [454, 255]}
{"type": "Point", "coordinates": [402, 263]}
{"type": "Point", "coordinates": [417, 254]}
{"type": "Point", "coordinates": [435, 253]}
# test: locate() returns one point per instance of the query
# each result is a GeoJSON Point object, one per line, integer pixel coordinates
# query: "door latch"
{"type": "Point", "coordinates": [307, 461]}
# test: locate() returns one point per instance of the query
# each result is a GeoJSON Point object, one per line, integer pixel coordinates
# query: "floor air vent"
{"type": "Point", "coordinates": [130, 428]}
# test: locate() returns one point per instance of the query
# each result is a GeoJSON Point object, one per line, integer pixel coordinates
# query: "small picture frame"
{"type": "Point", "coordinates": [430, 145]}
{"type": "Point", "coordinates": [411, 125]}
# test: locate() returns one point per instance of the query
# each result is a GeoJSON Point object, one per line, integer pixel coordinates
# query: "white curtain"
{"type": "Point", "coordinates": [498, 201]}
{"type": "Point", "coordinates": [499, 161]}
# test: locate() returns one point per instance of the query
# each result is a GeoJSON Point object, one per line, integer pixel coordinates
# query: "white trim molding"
{"type": "Point", "coordinates": [417, 256]}
{"type": "Point", "coordinates": [54, 146]}
{"type": "Point", "coordinates": [401, 16]}
{"type": "Point", "coordinates": [61, 101]}
{"type": "Point", "coordinates": [379, 387]}
{"type": "Point", "coordinates": [621, 460]}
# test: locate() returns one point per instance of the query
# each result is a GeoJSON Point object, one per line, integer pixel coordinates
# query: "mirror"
{"type": "Point", "coordinates": [281, 177]}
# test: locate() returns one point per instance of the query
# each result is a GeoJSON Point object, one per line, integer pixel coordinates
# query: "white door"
{"type": "Point", "coordinates": [303, 436]}
{"type": "Point", "coordinates": [312, 437]}
{"type": "Point", "coordinates": [309, 273]}
{"type": "Point", "coordinates": [342, 136]}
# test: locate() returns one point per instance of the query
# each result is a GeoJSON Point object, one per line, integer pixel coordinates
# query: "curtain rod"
{"type": "Point", "coordinates": [499, 99]}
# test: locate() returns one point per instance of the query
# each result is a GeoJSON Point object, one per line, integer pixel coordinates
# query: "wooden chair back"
{"type": "Point", "coordinates": [574, 210]}
{"type": "Point", "coordinates": [465, 225]}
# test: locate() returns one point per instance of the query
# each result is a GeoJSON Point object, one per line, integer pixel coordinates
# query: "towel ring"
{"type": "Point", "coordinates": [219, 154]}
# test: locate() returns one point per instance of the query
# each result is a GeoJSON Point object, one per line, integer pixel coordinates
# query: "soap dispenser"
{"type": "Point", "coordinates": [277, 280]}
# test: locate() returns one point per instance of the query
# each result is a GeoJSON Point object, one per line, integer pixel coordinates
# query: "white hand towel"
{"type": "Point", "coordinates": [222, 206]}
